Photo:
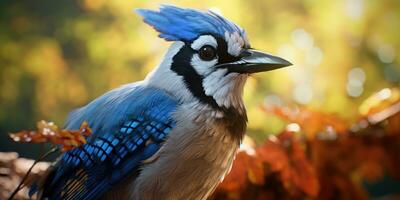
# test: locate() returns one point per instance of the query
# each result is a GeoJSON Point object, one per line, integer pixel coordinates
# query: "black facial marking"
{"type": "Point", "coordinates": [223, 55]}
{"type": "Point", "coordinates": [233, 120]}
{"type": "Point", "coordinates": [194, 81]}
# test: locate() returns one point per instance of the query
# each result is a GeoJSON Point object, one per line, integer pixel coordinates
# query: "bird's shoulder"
{"type": "Point", "coordinates": [114, 107]}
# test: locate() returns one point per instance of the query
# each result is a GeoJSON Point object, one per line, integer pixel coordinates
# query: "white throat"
{"type": "Point", "coordinates": [227, 90]}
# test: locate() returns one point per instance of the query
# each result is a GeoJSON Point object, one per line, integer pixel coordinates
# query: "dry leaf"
{"type": "Point", "coordinates": [49, 132]}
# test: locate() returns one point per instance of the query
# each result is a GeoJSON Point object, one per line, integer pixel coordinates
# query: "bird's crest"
{"type": "Point", "coordinates": [184, 24]}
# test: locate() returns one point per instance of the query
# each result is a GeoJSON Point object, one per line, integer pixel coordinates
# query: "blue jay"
{"type": "Point", "coordinates": [173, 135]}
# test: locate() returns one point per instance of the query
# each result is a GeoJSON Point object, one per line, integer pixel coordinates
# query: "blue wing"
{"type": "Point", "coordinates": [129, 126]}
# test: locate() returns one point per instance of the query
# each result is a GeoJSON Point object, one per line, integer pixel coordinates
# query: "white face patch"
{"type": "Point", "coordinates": [204, 40]}
{"type": "Point", "coordinates": [235, 43]}
{"type": "Point", "coordinates": [226, 89]}
{"type": "Point", "coordinates": [203, 67]}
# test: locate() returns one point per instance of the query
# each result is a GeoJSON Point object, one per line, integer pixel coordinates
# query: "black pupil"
{"type": "Point", "coordinates": [207, 52]}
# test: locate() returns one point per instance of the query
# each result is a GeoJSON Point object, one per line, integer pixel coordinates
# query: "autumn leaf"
{"type": "Point", "coordinates": [246, 169]}
{"type": "Point", "coordinates": [282, 155]}
{"type": "Point", "coordinates": [285, 155]}
{"type": "Point", "coordinates": [49, 132]}
{"type": "Point", "coordinates": [310, 121]}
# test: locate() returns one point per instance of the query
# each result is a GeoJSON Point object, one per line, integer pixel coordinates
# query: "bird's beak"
{"type": "Point", "coordinates": [253, 61]}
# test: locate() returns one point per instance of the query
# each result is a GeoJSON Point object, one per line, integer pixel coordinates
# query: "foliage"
{"type": "Point", "coordinates": [49, 132]}
{"type": "Point", "coordinates": [323, 158]}
{"type": "Point", "coordinates": [277, 169]}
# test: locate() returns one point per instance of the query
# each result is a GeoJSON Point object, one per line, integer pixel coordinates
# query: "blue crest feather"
{"type": "Point", "coordinates": [184, 24]}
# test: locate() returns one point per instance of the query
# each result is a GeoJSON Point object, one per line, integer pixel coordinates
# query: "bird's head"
{"type": "Point", "coordinates": [209, 60]}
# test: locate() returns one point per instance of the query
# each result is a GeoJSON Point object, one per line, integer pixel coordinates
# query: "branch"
{"type": "Point", "coordinates": [20, 186]}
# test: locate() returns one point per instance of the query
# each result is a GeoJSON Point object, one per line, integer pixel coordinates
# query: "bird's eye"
{"type": "Point", "coordinates": [207, 52]}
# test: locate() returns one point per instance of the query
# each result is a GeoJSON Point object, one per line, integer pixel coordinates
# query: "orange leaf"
{"type": "Point", "coordinates": [285, 156]}
{"type": "Point", "coordinates": [49, 132]}
{"type": "Point", "coordinates": [246, 169]}
{"type": "Point", "coordinates": [311, 122]}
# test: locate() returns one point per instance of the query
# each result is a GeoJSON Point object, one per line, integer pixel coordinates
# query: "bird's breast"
{"type": "Point", "coordinates": [191, 163]}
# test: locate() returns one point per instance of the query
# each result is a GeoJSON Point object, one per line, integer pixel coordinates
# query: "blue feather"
{"type": "Point", "coordinates": [175, 23]}
{"type": "Point", "coordinates": [123, 120]}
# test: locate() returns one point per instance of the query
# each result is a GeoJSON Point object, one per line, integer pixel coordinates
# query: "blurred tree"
{"type": "Point", "coordinates": [66, 53]}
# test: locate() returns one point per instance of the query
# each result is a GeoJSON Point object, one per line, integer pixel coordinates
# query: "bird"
{"type": "Point", "coordinates": [173, 135]}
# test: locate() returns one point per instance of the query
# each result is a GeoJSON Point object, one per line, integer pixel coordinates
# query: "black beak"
{"type": "Point", "coordinates": [253, 61]}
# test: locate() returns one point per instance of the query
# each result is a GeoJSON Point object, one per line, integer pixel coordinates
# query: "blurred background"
{"type": "Point", "coordinates": [59, 55]}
